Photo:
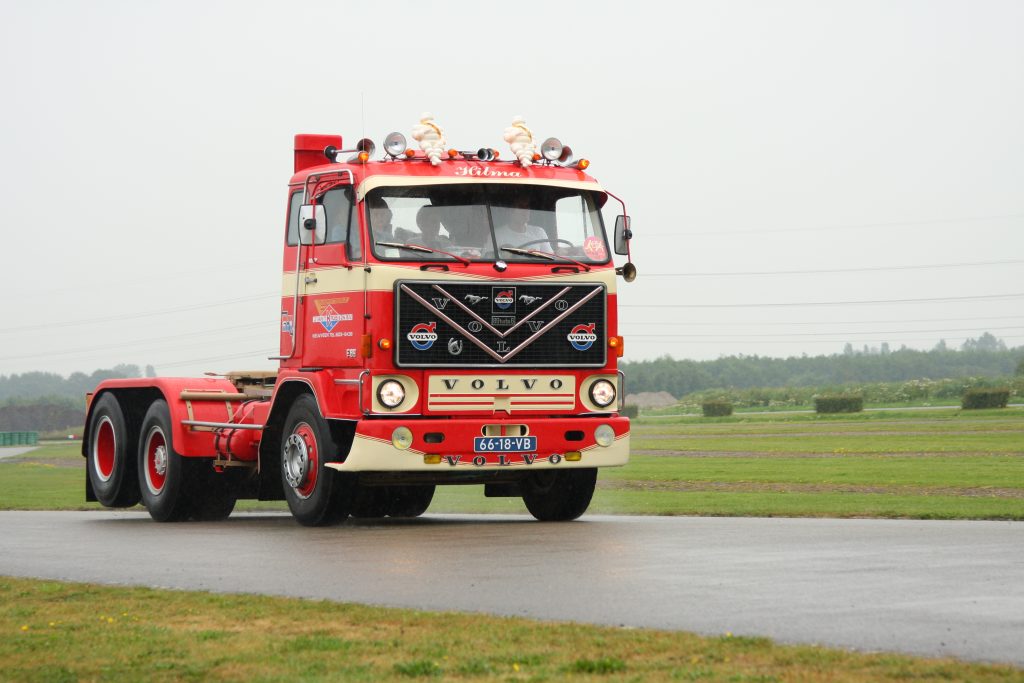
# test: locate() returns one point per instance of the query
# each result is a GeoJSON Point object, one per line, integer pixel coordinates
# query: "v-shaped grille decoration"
{"type": "Point", "coordinates": [444, 324]}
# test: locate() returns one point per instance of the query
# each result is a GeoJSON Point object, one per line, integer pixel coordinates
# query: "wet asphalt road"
{"type": "Point", "coordinates": [923, 587]}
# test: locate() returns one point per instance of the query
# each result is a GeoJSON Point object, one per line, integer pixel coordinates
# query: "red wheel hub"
{"type": "Point", "coordinates": [156, 461]}
{"type": "Point", "coordinates": [104, 446]}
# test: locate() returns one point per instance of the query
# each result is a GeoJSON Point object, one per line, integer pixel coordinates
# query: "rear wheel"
{"type": "Point", "coordinates": [316, 495]}
{"type": "Point", "coordinates": [162, 471]}
{"type": "Point", "coordinates": [559, 496]}
{"type": "Point", "coordinates": [110, 461]}
{"type": "Point", "coordinates": [409, 501]}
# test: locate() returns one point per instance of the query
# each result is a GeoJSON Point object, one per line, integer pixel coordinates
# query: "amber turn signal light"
{"type": "Point", "coordinates": [384, 343]}
{"type": "Point", "coordinates": [452, 153]}
{"type": "Point", "coordinates": [618, 344]}
{"type": "Point", "coordinates": [364, 157]}
{"type": "Point", "coordinates": [410, 153]}
{"type": "Point", "coordinates": [582, 164]}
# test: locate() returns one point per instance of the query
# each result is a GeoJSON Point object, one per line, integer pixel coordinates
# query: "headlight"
{"type": "Point", "coordinates": [401, 438]}
{"type": "Point", "coordinates": [551, 149]}
{"type": "Point", "coordinates": [604, 435]}
{"type": "Point", "coordinates": [602, 393]}
{"type": "Point", "coordinates": [391, 393]}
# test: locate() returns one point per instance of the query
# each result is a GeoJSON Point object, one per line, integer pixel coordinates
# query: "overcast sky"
{"type": "Point", "coordinates": [773, 156]}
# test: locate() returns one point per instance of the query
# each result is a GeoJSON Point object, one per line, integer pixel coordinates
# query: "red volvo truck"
{"type": "Point", "coordinates": [444, 320]}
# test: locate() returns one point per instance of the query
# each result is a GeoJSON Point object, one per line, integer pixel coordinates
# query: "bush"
{"type": "Point", "coordinates": [838, 403]}
{"type": "Point", "coordinates": [630, 410]}
{"type": "Point", "coordinates": [985, 398]}
{"type": "Point", "coordinates": [716, 408]}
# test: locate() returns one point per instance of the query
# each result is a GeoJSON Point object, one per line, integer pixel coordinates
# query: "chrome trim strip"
{"type": "Point", "coordinates": [220, 425]}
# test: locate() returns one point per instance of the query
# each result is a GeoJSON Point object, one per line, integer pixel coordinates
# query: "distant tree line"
{"type": "Point", "coordinates": [46, 401]}
{"type": "Point", "coordinates": [682, 377]}
{"type": "Point", "coordinates": [49, 384]}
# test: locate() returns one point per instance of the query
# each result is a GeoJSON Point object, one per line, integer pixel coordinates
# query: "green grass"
{"type": "Point", "coordinates": [851, 466]}
{"type": "Point", "coordinates": [68, 632]}
{"type": "Point", "coordinates": [985, 442]}
{"type": "Point", "coordinates": [1004, 471]}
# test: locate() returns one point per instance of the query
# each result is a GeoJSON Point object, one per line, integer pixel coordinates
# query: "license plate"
{"type": "Point", "coordinates": [504, 444]}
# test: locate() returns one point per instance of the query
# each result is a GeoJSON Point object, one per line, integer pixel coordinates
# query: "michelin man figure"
{"type": "Point", "coordinates": [430, 136]}
{"type": "Point", "coordinates": [520, 139]}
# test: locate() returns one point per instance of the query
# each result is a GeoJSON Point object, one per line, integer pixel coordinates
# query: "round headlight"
{"type": "Point", "coordinates": [391, 393]}
{"type": "Point", "coordinates": [401, 438]}
{"type": "Point", "coordinates": [551, 149]}
{"type": "Point", "coordinates": [602, 393]}
{"type": "Point", "coordinates": [604, 435]}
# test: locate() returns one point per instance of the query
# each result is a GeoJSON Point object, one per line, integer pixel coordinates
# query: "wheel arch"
{"type": "Point", "coordinates": [285, 395]}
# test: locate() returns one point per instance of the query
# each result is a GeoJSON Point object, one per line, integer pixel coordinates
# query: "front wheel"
{"type": "Point", "coordinates": [559, 496]}
{"type": "Point", "coordinates": [316, 495]}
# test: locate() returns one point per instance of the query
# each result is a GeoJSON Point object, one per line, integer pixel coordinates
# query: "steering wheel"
{"type": "Point", "coordinates": [556, 240]}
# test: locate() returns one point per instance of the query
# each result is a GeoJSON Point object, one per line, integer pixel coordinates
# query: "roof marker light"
{"type": "Point", "coordinates": [582, 164]}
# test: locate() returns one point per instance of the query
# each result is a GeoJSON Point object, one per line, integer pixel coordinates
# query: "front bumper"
{"type": "Point", "coordinates": [373, 451]}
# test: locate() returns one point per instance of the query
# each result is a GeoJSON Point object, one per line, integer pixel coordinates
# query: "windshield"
{"type": "Point", "coordinates": [485, 222]}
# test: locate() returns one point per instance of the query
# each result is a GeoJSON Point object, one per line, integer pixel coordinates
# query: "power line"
{"type": "Point", "coordinates": [748, 323]}
{"type": "Point", "coordinates": [134, 316]}
{"type": "Point", "coordinates": [823, 228]}
{"type": "Point", "coordinates": [208, 336]}
{"type": "Point", "coordinates": [811, 334]}
{"type": "Point", "coordinates": [662, 338]}
{"type": "Point", "coordinates": [212, 359]}
{"type": "Point", "coordinates": [832, 303]}
{"type": "Point", "coordinates": [821, 271]}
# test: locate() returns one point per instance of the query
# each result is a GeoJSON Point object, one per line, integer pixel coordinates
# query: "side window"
{"type": "Point", "coordinates": [342, 224]}
{"type": "Point", "coordinates": [293, 218]}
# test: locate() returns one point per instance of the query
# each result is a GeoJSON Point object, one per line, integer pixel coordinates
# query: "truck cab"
{"type": "Point", "coordinates": [446, 319]}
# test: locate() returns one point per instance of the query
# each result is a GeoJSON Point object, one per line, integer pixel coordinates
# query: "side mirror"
{"type": "Point", "coordinates": [312, 224]}
{"type": "Point", "coordinates": [622, 235]}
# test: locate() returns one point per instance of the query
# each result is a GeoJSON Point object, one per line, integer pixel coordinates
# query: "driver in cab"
{"type": "Point", "coordinates": [516, 231]}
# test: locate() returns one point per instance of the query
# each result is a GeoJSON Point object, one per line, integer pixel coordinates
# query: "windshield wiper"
{"type": "Point", "coordinates": [545, 254]}
{"type": "Point", "coordinates": [420, 247]}
{"type": "Point", "coordinates": [529, 252]}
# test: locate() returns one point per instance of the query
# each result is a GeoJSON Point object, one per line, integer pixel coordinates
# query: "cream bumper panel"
{"type": "Point", "coordinates": [376, 455]}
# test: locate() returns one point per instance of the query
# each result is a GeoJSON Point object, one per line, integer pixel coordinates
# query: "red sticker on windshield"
{"type": "Point", "coordinates": [594, 248]}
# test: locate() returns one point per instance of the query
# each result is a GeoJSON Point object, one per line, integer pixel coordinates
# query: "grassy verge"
{"type": "Point", "coordinates": [799, 465]}
{"type": "Point", "coordinates": [66, 632]}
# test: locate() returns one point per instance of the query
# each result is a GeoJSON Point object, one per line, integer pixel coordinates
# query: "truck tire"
{"type": "Point", "coordinates": [162, 471]}
{"type": "Point", "coordinates": [559, 496]}
{"type": "Point", "coordinates": [409, 501]}
{"type": "Point", "coordinates": [110, 462]}
{"type": "Point", "coordinates": [369, 502]}
{"type": "Point", "coordinates": [213, 494]}
{"type": "Point", "coordinates": [316, 495]}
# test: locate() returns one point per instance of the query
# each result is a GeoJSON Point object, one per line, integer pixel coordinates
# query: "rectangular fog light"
{"type": "Point", "coordinates": [573, 456]}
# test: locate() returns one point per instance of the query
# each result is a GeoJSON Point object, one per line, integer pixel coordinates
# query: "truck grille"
{"type": "Point", "coordinates": [445, 324]}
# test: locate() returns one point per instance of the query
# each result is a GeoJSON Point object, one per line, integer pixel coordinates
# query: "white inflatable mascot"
{"type": "Point", "coordinates": [520, 139]}
{"type": "Point", "coordinates": [430, 136]}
